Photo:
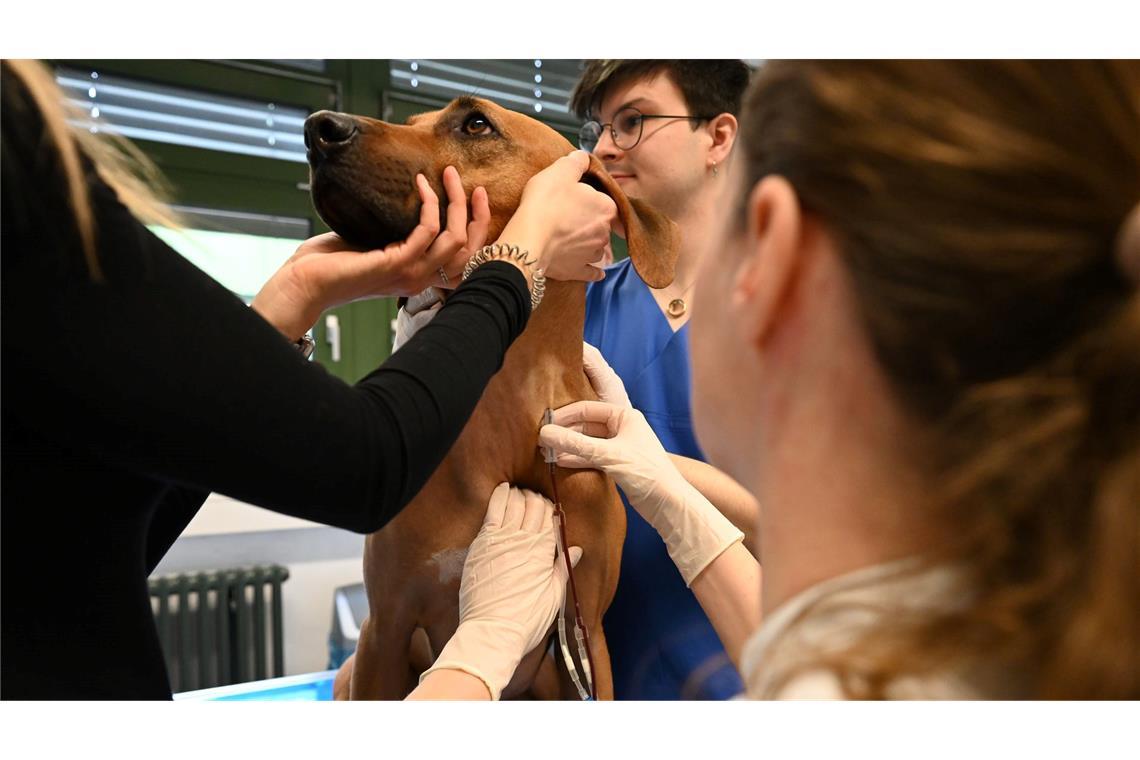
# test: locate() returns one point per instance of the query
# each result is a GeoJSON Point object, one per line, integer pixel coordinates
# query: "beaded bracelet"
{"type": "Point", "coordinates": [505, 252]}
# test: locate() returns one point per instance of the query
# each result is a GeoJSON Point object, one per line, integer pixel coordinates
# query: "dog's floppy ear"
{"type": "Point", "coordinates": [652, 238]}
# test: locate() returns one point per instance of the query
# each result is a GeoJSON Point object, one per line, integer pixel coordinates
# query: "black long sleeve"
{"type": "Point", "coordinates": [163, 372]}
{"type": "Point", "coordinates": [158, 378]}
{"type": "Point", "coordinates": [172, 513]}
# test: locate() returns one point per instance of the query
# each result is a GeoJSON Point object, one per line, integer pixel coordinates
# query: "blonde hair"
{"type": "Point", "coordinates": [977, 206]}
{"type": "Point", "coordinates": [126, 169]}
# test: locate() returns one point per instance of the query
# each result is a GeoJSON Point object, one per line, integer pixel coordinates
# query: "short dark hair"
{"type": "Point", "coordinates": [709, 87]}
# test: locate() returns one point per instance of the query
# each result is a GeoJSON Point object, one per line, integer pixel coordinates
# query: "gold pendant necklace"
{"type": "Point", "coordinates": [677, 307]}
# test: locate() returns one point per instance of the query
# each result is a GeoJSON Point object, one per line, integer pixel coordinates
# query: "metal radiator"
{"type": "Point", "coordinates": [219, 628]}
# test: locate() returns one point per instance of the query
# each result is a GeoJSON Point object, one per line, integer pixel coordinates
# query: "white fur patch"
{"type": "Point", "coordinates": [450, 563]}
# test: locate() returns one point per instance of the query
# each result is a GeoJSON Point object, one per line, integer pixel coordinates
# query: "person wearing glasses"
{"type": "Point", "coordinates": [664, 130]}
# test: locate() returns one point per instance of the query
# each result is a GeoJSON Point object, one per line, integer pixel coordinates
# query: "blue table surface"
{"type": "Point", "coordinates": [307, 687]}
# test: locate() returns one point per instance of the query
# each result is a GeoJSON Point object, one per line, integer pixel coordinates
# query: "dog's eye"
{"type": "Point", "coordinates": [477, 124]}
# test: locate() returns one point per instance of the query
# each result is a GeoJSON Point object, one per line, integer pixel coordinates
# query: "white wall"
{"type": "Point", "coordinates": [229, 533]}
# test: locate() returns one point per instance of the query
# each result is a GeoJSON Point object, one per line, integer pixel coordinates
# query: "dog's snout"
{"type": "Point", "coordinates": [327, 132]}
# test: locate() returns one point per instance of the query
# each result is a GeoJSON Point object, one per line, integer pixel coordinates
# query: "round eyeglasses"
{"type": "Point", "coordinates": [625, 129]}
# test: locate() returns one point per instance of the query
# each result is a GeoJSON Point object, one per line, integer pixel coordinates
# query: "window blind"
{"type": "Point", "coordinates": [148, 111]}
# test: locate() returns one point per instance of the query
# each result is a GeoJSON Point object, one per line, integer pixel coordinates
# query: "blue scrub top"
{"type": "Point", "coordinates": [661, 644]}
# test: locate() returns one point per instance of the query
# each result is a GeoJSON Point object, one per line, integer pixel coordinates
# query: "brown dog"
{"type": "Point", "coordinates": [362, 186]}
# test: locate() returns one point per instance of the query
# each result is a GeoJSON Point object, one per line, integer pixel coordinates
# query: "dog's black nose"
{"type": "Point", "coordinates": [328, 131]}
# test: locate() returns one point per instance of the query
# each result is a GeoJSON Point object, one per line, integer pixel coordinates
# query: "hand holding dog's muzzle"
{"type": "Point", "coordinates": [326, 271]}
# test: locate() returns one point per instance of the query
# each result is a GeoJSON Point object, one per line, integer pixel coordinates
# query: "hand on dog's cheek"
{"type": "Point", "coordinates": [562, 221]}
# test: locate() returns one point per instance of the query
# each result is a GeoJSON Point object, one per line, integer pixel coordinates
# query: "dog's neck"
{"type": "Point", "coordinates": [556, 326]}
{"type": "Point", "coordinates": [542, 369]}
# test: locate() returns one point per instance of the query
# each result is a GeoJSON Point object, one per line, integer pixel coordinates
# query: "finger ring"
{"type": "Point", "coordinates": [443, 276]}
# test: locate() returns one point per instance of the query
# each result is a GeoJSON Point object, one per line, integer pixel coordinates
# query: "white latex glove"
{"type": "Point", "coordinates": [617, 440]}
{"type": "Point", "coordinates": [511, 590]}
{"type": "Point", "coordinates": [408, 325]}
{"type": "Point", "coordinates": [605, 381]}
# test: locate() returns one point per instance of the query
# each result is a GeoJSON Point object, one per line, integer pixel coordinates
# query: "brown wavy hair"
{"type": "Point", "coordinates": [126, 169]}
{"type": "Point", "coordinates": [977, 207]}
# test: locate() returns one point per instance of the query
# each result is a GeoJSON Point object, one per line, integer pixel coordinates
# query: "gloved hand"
{"type": "Point", "coordinates": [617, 440]}
{"type": "Point", "coordinates": [605, 381]}
{"type": "Point", "coordinates": [408, 324]}
{"type": "Point", "coordinates": [511, 590]}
